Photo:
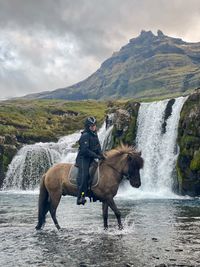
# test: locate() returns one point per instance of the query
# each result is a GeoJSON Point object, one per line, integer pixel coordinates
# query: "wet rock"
{"type": "Point", "coordinates": [178, 250]}
{"type": "Point", "coordinates": [121, 120]}
{"type": "Point", "coordinates": [8, 149]}
{"type": "Point", "coordinates": [10, 139]}
{"type": "Point", "coordinates": [128, 265]}
{"type": "Point", "coordinates": [82, 264]}
{"type": "Point", "coordinates": [125, 124]}
{"type": "Point", "coordinates": [172, 259]}
{"type": "Point", "coordinates": [161, 265]}
{"type": "Point", "coordinates": [2, 175]}
{"type": "Point", "coordinates": [2, 140]}
{"type": "Point", "coordinates": [156, 257]}
{"type": "Point", "coordinates": [154, 239]}
{"type": "Point", "coordinates": [60, 261]}
{"type": "Point", "coordinates": [168, 112]}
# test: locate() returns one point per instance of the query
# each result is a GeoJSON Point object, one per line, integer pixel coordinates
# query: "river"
{"type": "Point", "coordinates": [157, 232]}
{"type": "Point", "coordinates": [160, 228]}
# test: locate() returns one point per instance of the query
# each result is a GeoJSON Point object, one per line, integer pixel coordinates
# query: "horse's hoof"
{"type": "Point", "coordinates": [37, 227]}
{"type": "Point", "coordinates": [120, 227]}
{"type": "Point", "coordinates": [58, 227]}
{"type": "Point", "coordinates": [106, 228]}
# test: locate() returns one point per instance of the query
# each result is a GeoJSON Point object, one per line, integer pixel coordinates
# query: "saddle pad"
{"type": "Point", "coordinates": [73, 173]}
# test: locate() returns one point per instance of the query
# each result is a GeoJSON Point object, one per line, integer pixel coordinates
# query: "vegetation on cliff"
{"type": "Point", "coordinates": [188, 164]}
{"type": "Point", "coordinates": [46, 120]}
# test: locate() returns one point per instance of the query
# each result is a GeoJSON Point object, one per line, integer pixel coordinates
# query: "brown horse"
{"type": "Point", "coordinates": [119, 162]}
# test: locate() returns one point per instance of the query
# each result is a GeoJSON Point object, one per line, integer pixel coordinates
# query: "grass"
{"type": "Point", "coordinates": [46, 120]}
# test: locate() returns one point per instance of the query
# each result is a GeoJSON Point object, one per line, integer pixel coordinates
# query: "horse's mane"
{"type": "Point", "coordinates": [121, 149]}
{"type": "Point", "coordinates": [125, 149]}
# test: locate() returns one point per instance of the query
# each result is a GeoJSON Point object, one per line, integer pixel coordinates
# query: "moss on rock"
{"type": "Point", "coordinates": [195, 162]}
{"type": "Point", "coordinates": [188, 163]}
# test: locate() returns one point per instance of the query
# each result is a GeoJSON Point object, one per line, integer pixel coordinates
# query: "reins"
{"type": "Point", "coordinates": [114, 167]}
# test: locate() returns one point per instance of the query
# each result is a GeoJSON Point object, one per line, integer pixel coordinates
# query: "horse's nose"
{"type": "Point", "coordinates": [136, 184]}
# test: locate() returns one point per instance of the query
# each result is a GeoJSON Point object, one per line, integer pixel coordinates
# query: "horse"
{"type": "Point", "coordinates": [121, 162]}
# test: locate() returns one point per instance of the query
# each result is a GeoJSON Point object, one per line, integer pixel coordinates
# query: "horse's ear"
{"type": "Point", "coordinates": [122, 144]}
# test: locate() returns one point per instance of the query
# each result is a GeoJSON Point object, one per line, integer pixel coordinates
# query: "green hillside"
{"type": "Point", "coordinates": [148, 66]}
{"type": "Point", "coordinates": [46, 120]}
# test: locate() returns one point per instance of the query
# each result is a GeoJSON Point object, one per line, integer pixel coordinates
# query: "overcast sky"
{"type": "Point", "coordinates": [49, 44]}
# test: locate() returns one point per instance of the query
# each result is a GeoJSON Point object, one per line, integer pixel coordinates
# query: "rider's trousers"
{"type": "Point", "coordinates": [83, 175]}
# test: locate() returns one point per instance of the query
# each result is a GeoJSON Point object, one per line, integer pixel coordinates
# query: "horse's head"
{"type": "Point", "coordinates": [125, 160]}
{"type": "Point", "coordinates": [134, 164]}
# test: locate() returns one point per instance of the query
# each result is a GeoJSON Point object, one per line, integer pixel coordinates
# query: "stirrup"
{"type": "Point", "coordinates": [81, 200]}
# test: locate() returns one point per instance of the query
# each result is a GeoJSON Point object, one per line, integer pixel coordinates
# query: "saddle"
{"type": "Point", "coordinates": [93, 172]}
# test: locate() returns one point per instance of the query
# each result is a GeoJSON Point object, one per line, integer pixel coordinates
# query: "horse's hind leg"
{"type": "Point", "coordinates": [114, 208]}
{"type": "Point", "coordinates": [54, 201]}
{"type": "Point", "coordinates": [105, 214]}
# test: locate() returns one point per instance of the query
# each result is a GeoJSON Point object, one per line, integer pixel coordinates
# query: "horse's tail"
{"type": "Point", "coordinates": [43, 204]}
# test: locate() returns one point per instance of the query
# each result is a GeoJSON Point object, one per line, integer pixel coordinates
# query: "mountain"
{"type": "Point", "coordinates": [149, 65]}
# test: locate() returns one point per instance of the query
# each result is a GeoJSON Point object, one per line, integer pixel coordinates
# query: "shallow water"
{"type": "Point", "coordinates": [155, 232]}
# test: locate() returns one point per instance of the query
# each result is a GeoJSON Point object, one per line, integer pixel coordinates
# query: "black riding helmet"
{"type": "Point", "coordinates": [90, 121]}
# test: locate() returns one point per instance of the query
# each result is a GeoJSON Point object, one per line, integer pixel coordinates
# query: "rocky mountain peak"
{"type": "Point", "coordinates": [146, 34]}
{"type": "Point", "coordinates": [160, 33]}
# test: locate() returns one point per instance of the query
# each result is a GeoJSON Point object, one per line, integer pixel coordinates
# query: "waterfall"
{"type": "Point", "coordinates": [159, 149]}
{"type": "Point", "coordinates": [32, 161]}
{"type": "Point", "coordinates": [29, 165]}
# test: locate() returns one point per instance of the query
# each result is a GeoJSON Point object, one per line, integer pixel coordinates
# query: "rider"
{"type": "Point", "coordinates": [89, 149]}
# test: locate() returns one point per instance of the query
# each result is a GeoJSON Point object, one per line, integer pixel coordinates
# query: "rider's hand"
{"type": "Point", "coordinates": [101, 157]}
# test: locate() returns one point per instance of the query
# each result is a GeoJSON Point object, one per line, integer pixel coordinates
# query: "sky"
{"type": "Point", "coordinates": [50, 44]}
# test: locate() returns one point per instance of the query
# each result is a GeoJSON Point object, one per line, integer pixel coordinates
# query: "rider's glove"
{"type": "Point", "coordinates": [101, 157]}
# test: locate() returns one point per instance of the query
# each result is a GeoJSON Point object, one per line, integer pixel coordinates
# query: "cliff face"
{"type": "Point", "coordinates": [125, 124]}
{"type": "Point", "coordinates": [188, 164]}
{"type": "Point", "coordinates": [8, 149]}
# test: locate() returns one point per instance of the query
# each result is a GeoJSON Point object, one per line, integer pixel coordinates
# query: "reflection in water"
{"type": "Point", "coordinates": [156, 232]}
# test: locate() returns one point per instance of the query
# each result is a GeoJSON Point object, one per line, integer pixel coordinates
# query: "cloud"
{"type": "Point", "coordinates": [50, 44]}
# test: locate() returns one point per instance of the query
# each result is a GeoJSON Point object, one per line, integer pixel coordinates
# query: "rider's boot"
{"type": "Point", "coordinates": [81, 200]}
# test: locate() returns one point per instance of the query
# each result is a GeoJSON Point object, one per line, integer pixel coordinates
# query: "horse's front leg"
{"type": "Point", "coordinates": [105, 214]}
{"type": "Point", "coordinates": [112, 205]}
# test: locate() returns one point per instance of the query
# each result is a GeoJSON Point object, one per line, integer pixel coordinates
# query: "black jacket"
{"type": "Point", "coordinates": [89, 146]}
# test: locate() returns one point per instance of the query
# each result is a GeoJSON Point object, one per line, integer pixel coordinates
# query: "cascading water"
{"type": "Point", "coordinates": [32, 161]}
{"type": "Point", "coordinates": [158, 149]}
{"type": "Point", "coordinates": [29, 165]}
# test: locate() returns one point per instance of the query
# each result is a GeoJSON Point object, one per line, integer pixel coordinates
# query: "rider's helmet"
{"type": "Point", "coordinates": [90, 121]}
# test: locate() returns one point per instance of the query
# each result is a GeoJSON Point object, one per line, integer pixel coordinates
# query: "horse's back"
{"type": "Point", "coordinates": [57, 175]}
